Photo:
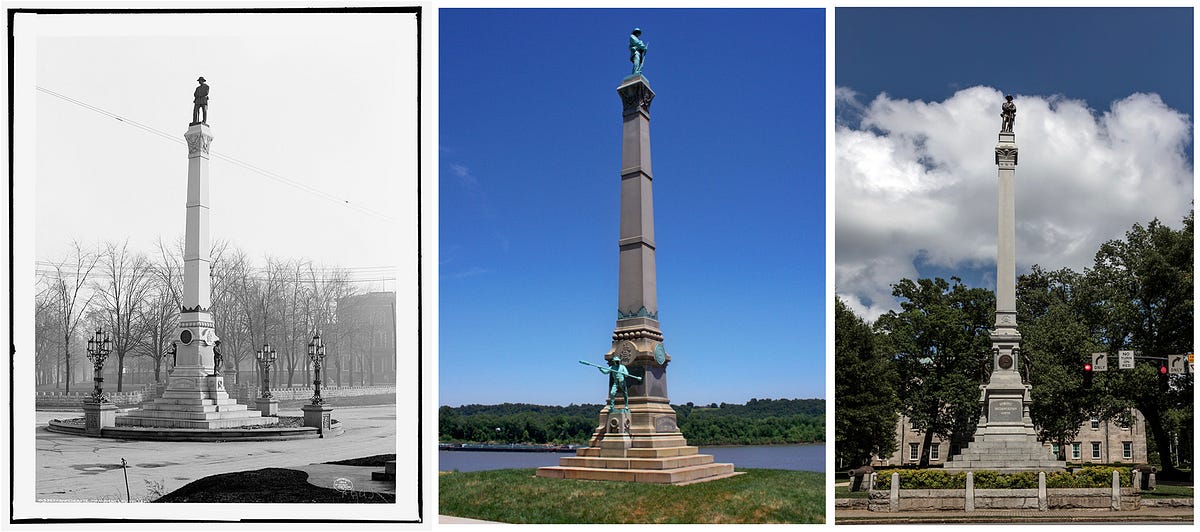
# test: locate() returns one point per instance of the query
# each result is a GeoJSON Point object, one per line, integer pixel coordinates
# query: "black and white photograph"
{"type": "Point", "coordinates": [215, 264]}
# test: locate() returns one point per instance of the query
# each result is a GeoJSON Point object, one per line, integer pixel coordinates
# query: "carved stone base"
{"type": "Point", "coordinates": [97, 416]}
{"type": "Point", "coordinates": [319, 416]}
{"type": "Point", "coordinates": [194, 400]}
{"type": "Point", "coordinates": [268, 406]}
{"type": "Point", "coordinates": [627, 447]}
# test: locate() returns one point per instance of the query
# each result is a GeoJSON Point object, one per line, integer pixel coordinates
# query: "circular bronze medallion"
{"type": "Point", "coordinates": [185, 337]}
{"type": "Point", "coordinates": [1005, 362]}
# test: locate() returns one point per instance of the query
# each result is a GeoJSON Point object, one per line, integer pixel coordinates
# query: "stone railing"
{"type": "Point", "coordinates": [51, 400]}
{"type": "Point", "coordinates": [970, 499]}
{"type": "Point", "coordinates": [304, 392]}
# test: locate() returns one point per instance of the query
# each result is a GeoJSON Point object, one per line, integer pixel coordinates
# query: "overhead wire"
{"type": "Point", "coordinates": [237, 162]}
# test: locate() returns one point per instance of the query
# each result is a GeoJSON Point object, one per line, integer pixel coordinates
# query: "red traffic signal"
{"type": "Point", "coordinates": [1162, 370]}
{"type": "Point", "coordinates": [1087, 367]}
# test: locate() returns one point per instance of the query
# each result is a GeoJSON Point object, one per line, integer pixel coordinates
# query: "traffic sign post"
{"type": "Point", "coordinates": [1176, 364]}
{"type": "Point", "coordinates": [1099, 361]}
{"type": "Point", "coordinates": [1125, 359]}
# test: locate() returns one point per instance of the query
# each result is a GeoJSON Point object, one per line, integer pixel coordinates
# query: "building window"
{"type": "Point", "coordinates": [1095, 450]}
{"type": "Point", "coordinates": [933, 451]}
{"type": "Point", "coordinates": [1095, 423]}
{"type": "Point", "coordinates": [1076, 451]}
{"type": "Point", "coordinates": [1127, 450]}
{"type": "Point", "coordinates": [1054, 449]}
{"type": "Point", "coordinates": [914, 451]}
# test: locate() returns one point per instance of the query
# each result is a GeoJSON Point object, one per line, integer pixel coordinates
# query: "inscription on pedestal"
{"type": "Point", "coordinates": [665, 424]}
{"type": "Point", "coordinates": [1004, 411]}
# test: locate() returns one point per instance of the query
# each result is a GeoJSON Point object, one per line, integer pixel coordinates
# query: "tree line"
{"type": "Point", "coordinates": [135, 298]}
{"type": "Point", "coordinates": [927, 360]}
{"type": "Point", "coordinates": [759, 421]}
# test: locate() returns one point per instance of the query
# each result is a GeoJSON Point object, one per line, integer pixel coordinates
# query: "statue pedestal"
{"type": "Point", "coordinates": [96, 416]}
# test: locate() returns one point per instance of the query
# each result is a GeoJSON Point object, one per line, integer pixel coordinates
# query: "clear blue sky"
{"type": "Point", "coordinates": [1088, 170]}
{"type": "Point", "coordinates": [1097, 54]}
{"type": "Point", "coordinates": [530, 127]}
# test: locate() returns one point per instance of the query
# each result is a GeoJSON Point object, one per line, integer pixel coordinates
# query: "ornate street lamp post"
{"type": "Point", "coordinates": [98, 348]}
{"type": "Point", "coordinates": [266, 358]}
{"type": "Point", "coordinates": [316, 353]}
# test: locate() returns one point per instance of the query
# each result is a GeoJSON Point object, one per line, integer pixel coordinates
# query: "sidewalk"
{"type": "Point", "coordinates": [1141, 515]}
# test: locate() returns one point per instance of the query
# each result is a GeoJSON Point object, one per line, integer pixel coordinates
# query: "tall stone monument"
{"type": "Point", "coordinates": [1005, 439]}
{"type": "Point", "coordinates": [641, 443]}
{"type": "Point", "coordinates": [195, 396]}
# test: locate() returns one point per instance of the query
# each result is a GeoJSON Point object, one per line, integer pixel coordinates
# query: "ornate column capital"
{"type": "Point", "coordinates": [198, 141]}
{"type": "Point", "coordinates": [1006, 156]}
{"type": "Point", "coordinates": [636, 95]}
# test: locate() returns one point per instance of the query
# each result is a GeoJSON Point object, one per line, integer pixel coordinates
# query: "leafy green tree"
{"type": "Point", "coordinates": [1056, 341]}
{"type": "Point", "coordinates": [865, 392]}
{"type": "Point", "coordinates": [1143, 301]}
{"type": "Point", "coordinates": [940, 343]}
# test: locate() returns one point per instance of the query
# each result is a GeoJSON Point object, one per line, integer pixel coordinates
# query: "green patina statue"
{"type": "Point", "coordinates": [617, 373]}
{"type": "Point", "coordinates": [637, 51]}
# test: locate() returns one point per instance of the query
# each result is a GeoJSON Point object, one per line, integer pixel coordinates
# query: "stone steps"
{"type": "Point", "coordinates": [657, 452]}
{"type": "Point", "coordinates": [637, 463]}
{"type": "Point", "coordinates": [680, 475]}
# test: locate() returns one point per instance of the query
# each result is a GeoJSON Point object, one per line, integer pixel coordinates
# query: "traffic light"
{"type": "Point", "coordinates": [1087, 375]}
{"type": "Point", "coordinates": [1163, 378]}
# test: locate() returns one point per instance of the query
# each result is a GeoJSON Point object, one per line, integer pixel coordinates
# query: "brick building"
{"type": "Point", "coordinates": [1098, 442]}
{"type": "Point", "coordinates": [368, 326]}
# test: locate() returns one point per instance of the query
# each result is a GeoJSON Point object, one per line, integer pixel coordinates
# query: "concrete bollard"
{"type": "Point", "coordinates": [1153, 482]}
{"type": "Point", "coordinates": [970, 495]}
{"type": "Point", "coordinates": [894, 497]}
{"type": "Point", "coordinates": [1137, 480]}
{"type": "Point", "coordinates": [870, 482]}
{"type": "Point", "coordinates": [1116, 490]}
{"type": "Point", "coordinates": [1042, 502]}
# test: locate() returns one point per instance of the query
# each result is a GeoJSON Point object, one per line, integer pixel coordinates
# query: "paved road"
{"type": "Point", "coordinates": [1143, 515]}
{"type": "Point", "coordinates": [79, 468]}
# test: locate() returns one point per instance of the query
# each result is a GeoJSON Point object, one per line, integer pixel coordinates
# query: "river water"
{"type": "Point", "coordinates": [792, 457]}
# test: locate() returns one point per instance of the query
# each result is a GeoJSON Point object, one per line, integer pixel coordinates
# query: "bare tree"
{"type": "Point", "coordinates": [47, 337]}
{"type": "Point", "coordinates": [122, 291]}
{"type": "Point", "coordinates": [67, 285]}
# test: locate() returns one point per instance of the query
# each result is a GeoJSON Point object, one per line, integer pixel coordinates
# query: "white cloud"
{"type": "Point", "coordinates": [918, 178]}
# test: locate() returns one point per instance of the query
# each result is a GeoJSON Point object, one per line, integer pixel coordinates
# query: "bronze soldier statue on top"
{"type": "Point", "coordinates": [201, 103]}
{"type": "Point", "coordinates": [1008, 115]}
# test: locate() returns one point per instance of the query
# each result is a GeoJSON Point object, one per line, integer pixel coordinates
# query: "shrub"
{"type": "Point", "coordinates": [1087, 477]}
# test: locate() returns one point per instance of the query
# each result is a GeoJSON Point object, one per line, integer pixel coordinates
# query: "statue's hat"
{"type": "Point", "coordinates": [637, 30]}
{"type": "Point", "coordinates": [201, 78]}
{"type": "Point", "coordinates": [1009, 97]}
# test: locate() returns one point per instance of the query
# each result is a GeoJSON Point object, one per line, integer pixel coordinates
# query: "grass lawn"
{"type": "Point", "coordinates": [516, 496]}
{"type": "Point", "coordinates": [1169, 491]}
{"type": "Point", "coordinates": [843, 492]}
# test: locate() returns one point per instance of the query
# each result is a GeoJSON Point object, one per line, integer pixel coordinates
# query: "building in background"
{"type": "Point", "coordinates": [1098, 442]}
{"type": "Point", "coordinates": [366, 340]}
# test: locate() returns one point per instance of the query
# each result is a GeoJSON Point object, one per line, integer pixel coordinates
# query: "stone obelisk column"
{"type": "Point", "coordinates": [637, 338]}
{"type": "Point", "coordinates": [196, 334]}
{"type": "Point", "coordinates": [195, 397]}
{"type": "Point", "coordinates": [1005, 439]}
{"type": "Point", "coordinates": [641, 443]}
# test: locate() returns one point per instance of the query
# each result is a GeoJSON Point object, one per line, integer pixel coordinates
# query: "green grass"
{"type": "Point", "coordinates": [843, 492]}
{"type": "Point", "coordinates": [516, 496]}
{"type": "Point", "coordinates": [1169, 491]}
